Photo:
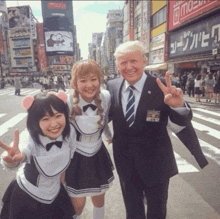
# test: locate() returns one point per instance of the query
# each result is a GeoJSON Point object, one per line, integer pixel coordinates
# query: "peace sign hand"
{"type": "Point", "coordinates": [173, 96]}
{"type": "Point", "coordinates": [12, 155]}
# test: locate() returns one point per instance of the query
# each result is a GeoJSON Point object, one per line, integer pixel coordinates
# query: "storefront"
{"type": "Point", "coordinates": [196, 47]}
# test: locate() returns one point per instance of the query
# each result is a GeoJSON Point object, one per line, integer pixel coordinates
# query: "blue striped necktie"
{"type": "Point", "coordinates": [130, 107]}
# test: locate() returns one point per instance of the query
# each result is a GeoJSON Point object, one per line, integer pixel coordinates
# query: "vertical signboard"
{"type": "Point", "coordinates": [131, 20]}
{"type": "Point", "coordinates": [58, 27]}
{"type": "Point", "coordinates": [146, 25]}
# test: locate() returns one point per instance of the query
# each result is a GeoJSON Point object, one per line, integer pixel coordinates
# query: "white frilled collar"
{"type": "Point", "coordinates": [138, 85]}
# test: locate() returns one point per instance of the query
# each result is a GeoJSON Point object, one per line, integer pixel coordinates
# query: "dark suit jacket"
{"type": "Point", "coordinates": [145, 149]}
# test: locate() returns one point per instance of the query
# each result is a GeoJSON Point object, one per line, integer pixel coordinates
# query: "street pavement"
{"type": "Point", "coordinates": [193, 194]}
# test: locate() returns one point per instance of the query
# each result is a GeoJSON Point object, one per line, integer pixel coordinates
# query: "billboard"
{"type": "Point", "coordinates": [58, 27]}
{"type": "Point", "coordinates": [182, 11]}
{"type": "Point", "coordinates": [3, 7]}
{"type": "Point", "coordinates": [19, 17]}
{"type": "Point", "coordinates": [199, 38]}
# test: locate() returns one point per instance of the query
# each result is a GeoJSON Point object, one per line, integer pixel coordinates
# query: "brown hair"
{"type": "Point", "coordinates": [84, 68]}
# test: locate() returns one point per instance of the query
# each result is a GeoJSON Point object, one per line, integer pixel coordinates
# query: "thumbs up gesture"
{"type": "Point", "coordinates": [12, 155]}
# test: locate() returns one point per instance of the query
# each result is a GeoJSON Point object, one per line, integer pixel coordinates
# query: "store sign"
{"type": "Point", "coordinates": [19, 32]}
{"type": "Point", "coordinates": [41, 57]}
{"type": "Point", "coordinates": [198, 38]}
{"type": "Point", "coordinates": [157, 42]}
{"type": "Point", "coordinates": [22, 52]}
{"type": "Point", "coordinates": [157, 56]}
{"type": "Point", "coordinates": [182, 11]}
{"type": "Point", "coordinates": [21, 43]}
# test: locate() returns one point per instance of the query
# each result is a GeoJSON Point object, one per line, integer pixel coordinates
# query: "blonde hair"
{"type": "Point", "coordinates": [84, 68]}
{"type": "Point", "coordinates": [129, 46]}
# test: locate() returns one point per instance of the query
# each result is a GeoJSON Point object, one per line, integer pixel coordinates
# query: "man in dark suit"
{"type": "Point", "coordinates": [141, 108]}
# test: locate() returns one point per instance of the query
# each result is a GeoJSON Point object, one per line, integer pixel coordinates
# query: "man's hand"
{"type": "Point", "coordinates": [173, 96]}
{"type": "Point", "coordinates": [12, 155]}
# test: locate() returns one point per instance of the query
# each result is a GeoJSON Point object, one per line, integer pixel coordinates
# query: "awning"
{"type": "Point", "coordinates": [156, 66]}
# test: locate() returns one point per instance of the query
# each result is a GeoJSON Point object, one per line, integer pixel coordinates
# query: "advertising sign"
{"type": "Point", "coordinates": [59, 41]}
{"type": "Point", "coordinates": [19, 17]}
{"type": "Point", "coordinates": [157, 42]}
{"type": "Point", "coordinates": [3, 7]}
{"type": "Point", "coordinates": [182, 11]}
{"type": "Point", "coordinates": [21, 42]}
{"type": "Point", "coordinates": [157, 56]}
{"type": "Point", "coordinates": [58, 27]}
{"type": "Point", "coordinates": [198, 38]}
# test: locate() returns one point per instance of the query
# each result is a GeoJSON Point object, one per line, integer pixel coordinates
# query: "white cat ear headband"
{"type": "Point", "coordinates": [28, 100]}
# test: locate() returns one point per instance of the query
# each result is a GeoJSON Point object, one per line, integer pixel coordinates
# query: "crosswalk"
{"type": "Point", "coordinates": [206, 123]}
{"type": "Point", "coordinates": [24, 91]}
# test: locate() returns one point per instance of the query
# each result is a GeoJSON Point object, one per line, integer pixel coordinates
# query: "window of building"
{"type": "Point", "coordinates": [159, 17]}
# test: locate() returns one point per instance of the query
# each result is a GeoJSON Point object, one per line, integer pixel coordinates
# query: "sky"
{"type": "Point", "coordinates": [89, 17]}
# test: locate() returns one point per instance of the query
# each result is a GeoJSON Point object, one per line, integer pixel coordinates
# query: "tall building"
{"type": "Point", "coordinates": [22, 39]}
{"type": "Point", "coordinates": [4, 52]}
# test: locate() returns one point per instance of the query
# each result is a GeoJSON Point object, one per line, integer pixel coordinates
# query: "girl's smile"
{"type": "Point", "coordinates": [53, 126]}
{"type": "Point", "coordinates": [88, 87]}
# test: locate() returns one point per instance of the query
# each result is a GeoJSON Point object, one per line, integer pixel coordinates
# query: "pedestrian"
{"type": "Point", "coordinates": [183, 82]}
{"type": "Point", "coordinates": [90, 172]}
{"type": "Point", "coordinates": [37, 191]}
{"type": "Point", "coordinates": [190, 84]}
{"type": "Point", "coordinates": [198, 87]}
{"type": "Point", "coordinates": [209, 84]}
{"type": "Point", "coordinates": [140, 109]}
{"type": "Point", "coordinates": [17, 84]}
{"type": "Point", "coordinates": [60, 83]}
{"type": "Point", "coordinates": [217, 87]}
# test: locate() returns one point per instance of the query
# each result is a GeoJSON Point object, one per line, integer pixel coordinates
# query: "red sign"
{"type": "Point", "coordinates": [56, 5]}
{"type": "Point", "coordinates": [131, 25]}
{"type": "Point", "coordinates": [183, 11]}
{"type": "Point", "coordinates": [40, 33]}
{"type": "Point", "coordinates": [41, 57]}
{"type": "Point", "coordinates": [1, 40]}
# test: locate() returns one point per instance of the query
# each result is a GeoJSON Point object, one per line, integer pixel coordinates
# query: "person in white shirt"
{"type": "Point", "coordinates": [37, 191]}
{"type": "Point", "coordinates": [90, 172]}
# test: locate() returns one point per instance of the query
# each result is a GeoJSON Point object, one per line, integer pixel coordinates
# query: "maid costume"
{"type": "Point", "coordinates": [37, 191]}
{"type": "Point", "coordinates": [90, 172]}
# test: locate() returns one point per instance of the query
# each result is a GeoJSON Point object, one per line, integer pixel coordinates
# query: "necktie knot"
{"type": "Point", "coordinates": [92, 106]}
{"type": "Point", "coordinates": [57, 143]}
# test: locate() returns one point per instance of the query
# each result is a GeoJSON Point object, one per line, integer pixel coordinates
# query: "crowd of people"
{"type": "Point", "coordinates": [206, 85]}
{"type": "Point", "coordinates": [66, 160]}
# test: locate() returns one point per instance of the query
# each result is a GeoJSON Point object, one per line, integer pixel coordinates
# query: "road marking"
{"type": "Point", "coordinates": [207, 118]}
{"type": "Point", "coordinates": [2, 114]}
{"type": "Point", "coordinates": [183, 165]}
{"type": "Point", "coordinates": [208, 130]}
{"type": "Point", "coordinates": [208, 150]}
{"type": "Point", "coordinates": [207, 111]}
{"type": "Point", "coordinates": [11, 122]}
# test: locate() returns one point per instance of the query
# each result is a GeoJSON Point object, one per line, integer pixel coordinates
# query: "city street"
{"type": "Point", "coordinates": [193, 194]}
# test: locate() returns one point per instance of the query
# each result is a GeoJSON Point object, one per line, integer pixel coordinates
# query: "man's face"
{"type": "Point", "coordinates": [131, 66]}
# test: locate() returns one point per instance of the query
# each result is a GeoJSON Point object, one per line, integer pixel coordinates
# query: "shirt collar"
{"type": "Point", "coordinates": [139, 84]}
{"type": "Point", "coordinates": [82, 102]}
{"type": "Point", "coordinates": [45, 140]}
